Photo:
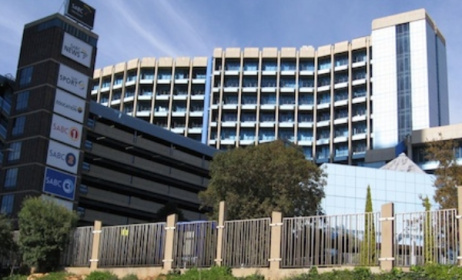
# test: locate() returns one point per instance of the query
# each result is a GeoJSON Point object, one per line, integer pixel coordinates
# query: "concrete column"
{"type": "Point", "coordinates": [95, 245]}
{"type": "Point", "coordinates": [459, 213]}
{"type": "Point", "coordinates": [220, 228]}
{"type": "Point", "coordinates": [169, 240]}
{"type": "Point", "coordinates": [387, 259]}
{"type": "Point", "coordinates": [275, 249]}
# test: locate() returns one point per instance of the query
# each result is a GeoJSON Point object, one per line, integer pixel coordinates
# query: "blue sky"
{"type": "Point", "coordinates": [131, 29]}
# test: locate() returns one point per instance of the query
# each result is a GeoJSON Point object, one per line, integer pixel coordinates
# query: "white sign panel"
{"type": "Point", "coordinates": [77, 50]}
{"type": "Point", "coordinates": [66, 131]}
{"type": "Point", "coordinates": [62, 156]}
{"type": "Point", "coordinates": [65, 203]}
{"type": "Point", "coordinates": [72, 81]}
{"type": "Point", "coordinates": [70, 106]}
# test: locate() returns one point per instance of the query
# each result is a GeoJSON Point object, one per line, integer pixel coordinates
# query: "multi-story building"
{"type": "Point", "coordinates": [168, 93]}
{"type": "Point", "coordinates": [336, 101]}
{"type": "Point", "coordinates": [6, 96]}
{"type": "Point", "coordinates": [132, 169]}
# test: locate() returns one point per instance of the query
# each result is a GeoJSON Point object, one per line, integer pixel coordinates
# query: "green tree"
{"type": "Point", "coordinates": [448, 173]}
{"type": "Point", "coordinates": [7, 244]}
{"type": "Point", "coordinates": [44, 229]}
{"type": "Point", "coordinates": [428, 232]}
{"type": "Point", "coordinates": [256, 180]}
{"type": "Point", "coordinates": [168, 209]}
{"type": "Point", "coordinates": [368, 244]}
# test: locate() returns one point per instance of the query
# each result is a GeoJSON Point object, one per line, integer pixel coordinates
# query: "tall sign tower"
{"type": "Point", "coordinates": [50, 105]}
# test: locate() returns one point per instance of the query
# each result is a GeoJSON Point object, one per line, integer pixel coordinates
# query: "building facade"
{"type": "Point", "coordinates": [131, 170]}
{"type": "Point", "coordinates": [168, 93]}
{"type": "Point", "coordinates": [336, 101]}
{"type": "Point", "coordinates": [6, 97]}
{"type": "Point", "coordinates": [346, 187]}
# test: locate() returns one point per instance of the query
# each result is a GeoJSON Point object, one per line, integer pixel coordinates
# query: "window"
{"type": "Point", "coordinates": [22, 101]}
{"type": "Point", "coordinates": [15, 151]}
{"type": "Point", "coordinates": [18, 126]}
{"type": "Point", "coordinates": [147, 74]}
{"type": "Point", "coordinates": [11, 177]}
{"type": "Point", "coordinates": [25, 76]}
{"type": "Point", "coordinates": [7, 204]}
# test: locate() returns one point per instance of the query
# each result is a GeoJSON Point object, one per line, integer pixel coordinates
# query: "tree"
{"type": "Point", "coordinates": [168, 209]}
{"type": "Point", "coordinates": [44, 231]}
{"type": "Point", "coordinates": [256, 180]}
{"type": "Point", "coordinates": [448, 173]}
{"type": "Point", "coordinates": [368, 244]}
{"type": "Point", "coordinates": [429, 242]}
{"type": "Point", "coordinates": [7, 243]}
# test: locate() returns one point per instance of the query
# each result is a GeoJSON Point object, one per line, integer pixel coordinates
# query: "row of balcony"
{"type": "Point", "coordinates": [106, 84]}
{"type": "Point", "coordinates": [290, 83]}
{"type": "Point", "coordinates": [291, 65]}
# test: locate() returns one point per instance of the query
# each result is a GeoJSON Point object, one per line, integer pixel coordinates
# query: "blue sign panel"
{"type": "Point", "coordinates": [59, 183]}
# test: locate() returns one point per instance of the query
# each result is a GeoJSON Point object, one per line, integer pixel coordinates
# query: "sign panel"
{"type": "Point", "coordinates": [59, 183]}
{"type": "Point", "coordinates": [77, 50]}
{"type": "Point", "coordinates": [62, 156]}
{"type": "Point", "coordinates": [65, 203]}
{"type": "Point", "coordinates": [72, 81]}
{"type": "Point", "coordinates": [66, 131]}
{"type": "Point", "coordinates": [81, 12]}
{"type": "Point", "coordinates": [70, 106]}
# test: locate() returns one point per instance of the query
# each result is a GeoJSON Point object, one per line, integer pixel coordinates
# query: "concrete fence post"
{"type": "Point", "coordinates": [459, 218]}
{"type": "Point", "coordinates": [95, 245]}
{"type": "Point", "coordinates": [169, 241]}
{"type": "Point", "coordinates": [387, 258]}
{"type": "Point", "coordinates": [220, 228]}
{"type": "Point", "coordinates": [275, 249]}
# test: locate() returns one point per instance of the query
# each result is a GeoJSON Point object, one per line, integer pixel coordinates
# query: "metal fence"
{"type": "Point", "coordinates": [78, 252]}
{"type": "Point", "coordinates": [195, 244]}
{"type": "Point", "coordinates": [246, 243]}
{"type": "Point", "coordinates": [347, 240]}
{"type": "Point", "coordinates": [330, 240]}
{"type": "Point", "coordinates": [132, 245]}
{"type": "Point", "coordinates": [426, 237]}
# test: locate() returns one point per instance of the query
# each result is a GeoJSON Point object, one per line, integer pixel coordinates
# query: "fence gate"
{"type": "Point", "coordinates": [246, 243]}
{"type": "Point", "coordinates": [194, 244]}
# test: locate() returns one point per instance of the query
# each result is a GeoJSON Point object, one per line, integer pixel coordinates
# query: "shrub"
{"type": "Point", "coordinates": [44, 228]}
{"type": "Point", "coordinates": [216, 272]}
{"type": "Point", "coordinates": [15, 277]}
{"type": "Point", "coordinates": [130, 277]}
{"type": "Point", "coordinates": [101, 275]}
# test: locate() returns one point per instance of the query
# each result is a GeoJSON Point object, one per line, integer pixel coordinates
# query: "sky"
{"type": "Point", "coordinates": [130, 29]}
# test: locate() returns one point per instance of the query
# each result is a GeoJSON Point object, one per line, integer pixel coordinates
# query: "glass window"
{"type": "Point", "coordinates": [15, 151]}
{"type": "Point", "coordinates": [147, 74]}
{"type": "Point", "coordinates": [247, 134]}
{"type": "Point", "coordinates": [25, 76]}
{"type": "Point", "coordinates": [106, 82]}
{"type": "Point", "coordinates": [131, 76]}
{"type": "Point", "coordinates": [18, 126]}
{"type": "Point", "coordinates": [306, 65]}
{"type": "Point", "coordinates": [11, 177]}
{"type": "Point", "coordinates": [22, 101]}
{"type": "Point", "coordinates": [7, 204]}
{"type": "Point", "coordinates": [118, 79]}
